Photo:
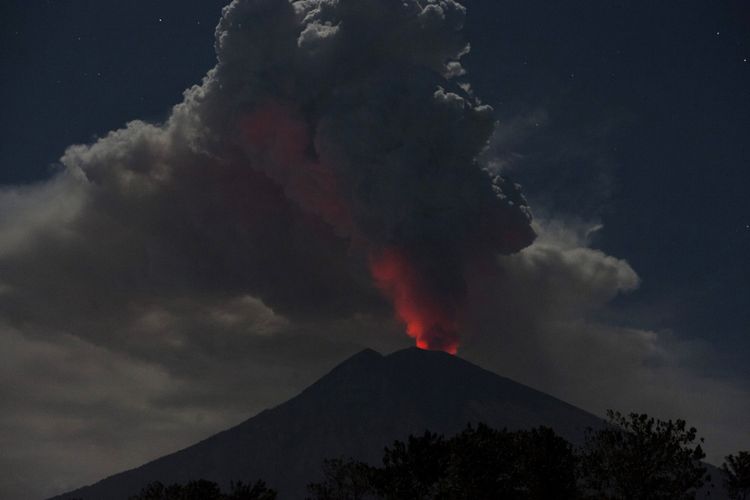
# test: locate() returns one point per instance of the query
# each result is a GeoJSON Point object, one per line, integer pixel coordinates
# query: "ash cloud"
{"type": "Point", "coordinates": [327, 133]}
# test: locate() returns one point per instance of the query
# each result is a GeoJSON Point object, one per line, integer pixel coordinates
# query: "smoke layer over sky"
{"type": "Point", "coordinates": [328, 135]}
{"type": "Point", "coordinates": [328, 186]}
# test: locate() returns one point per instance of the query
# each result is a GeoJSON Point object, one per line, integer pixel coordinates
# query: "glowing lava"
{"type": "Point", "coordinates": [423, 280]}
{"type": "Point", "coordinates": [430, 319]}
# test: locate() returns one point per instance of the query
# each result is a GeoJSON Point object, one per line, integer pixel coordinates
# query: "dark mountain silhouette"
{"type": "Point", "coordinates": [354, 411]}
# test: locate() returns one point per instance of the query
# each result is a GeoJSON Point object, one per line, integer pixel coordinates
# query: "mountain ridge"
{"type": "Point", "coordinates": [356, 409]}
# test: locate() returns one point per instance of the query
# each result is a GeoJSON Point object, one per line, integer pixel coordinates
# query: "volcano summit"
{"type": "Point", "coordinates": [360, 406]}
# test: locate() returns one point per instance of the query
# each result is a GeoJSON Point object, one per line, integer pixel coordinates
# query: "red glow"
{"type": "Point", "coordinates": [279, 137]}
{"type": "Point", "coordinates": [429, 320]}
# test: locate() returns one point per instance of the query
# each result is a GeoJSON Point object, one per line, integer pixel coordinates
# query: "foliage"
{"type": "Point", "coordinates": [412, 469]}
{"type": "Point", "coordinates": [737, 475]}
{"type": "Point", "coordinates": [486, 463]}
{"type": "Point", "coordinates": [479, 463]}
{"type": "Point", "coordinates": [343, 480]}
{"type": "Point", "coordinates": [638, 458]}
{"type": "Point", "coordinates": [205, 490]}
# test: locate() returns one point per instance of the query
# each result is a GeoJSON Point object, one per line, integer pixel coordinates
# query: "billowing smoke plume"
{"type": "Point", "coordinates": [353, 110]}
{"type": "Point", "coordinates": [328, 158]}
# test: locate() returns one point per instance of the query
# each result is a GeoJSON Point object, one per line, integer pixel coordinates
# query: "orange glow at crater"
{"type": "Point", "coordinates": [429, 319]}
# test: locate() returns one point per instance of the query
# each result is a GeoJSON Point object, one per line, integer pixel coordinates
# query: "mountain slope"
{"type": "Point", "coordinates": [355, 410]}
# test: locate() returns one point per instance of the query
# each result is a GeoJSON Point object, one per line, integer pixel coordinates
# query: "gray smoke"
{"type": "Point", "coordinates": [328, 132]}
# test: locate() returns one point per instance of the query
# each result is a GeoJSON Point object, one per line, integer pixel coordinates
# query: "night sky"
{"type": "Point", "coordinates": [626, 124]}
{"type": "Point", "coordinates": [648, 109]}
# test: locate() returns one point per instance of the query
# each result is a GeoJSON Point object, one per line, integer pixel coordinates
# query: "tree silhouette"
{"type": "Point", "coordinates": [486, 463]}
{"type": "Point", "coordinates": [479, 463]}
{"type": "Point", "coordinates": [737, 475]}
{"type": "Point", "coordinates": [343, 480]}
{"type": "Point", "coordinates": [412, 469]}
{"type": "Point", "coordinates": [640, 458]}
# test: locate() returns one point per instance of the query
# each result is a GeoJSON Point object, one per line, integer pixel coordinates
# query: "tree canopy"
{"type": "Point", "coordinates": [638, 457]}
{"type": "Point", "coordinates": [634, 457]}
{"type": "Point", "coordinates": [737, 475]}
{"type": "Point", "coordinates": [479, 463]}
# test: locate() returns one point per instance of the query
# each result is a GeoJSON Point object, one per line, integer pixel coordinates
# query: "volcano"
{"type": "Point", "coordinates": [355, 410]}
